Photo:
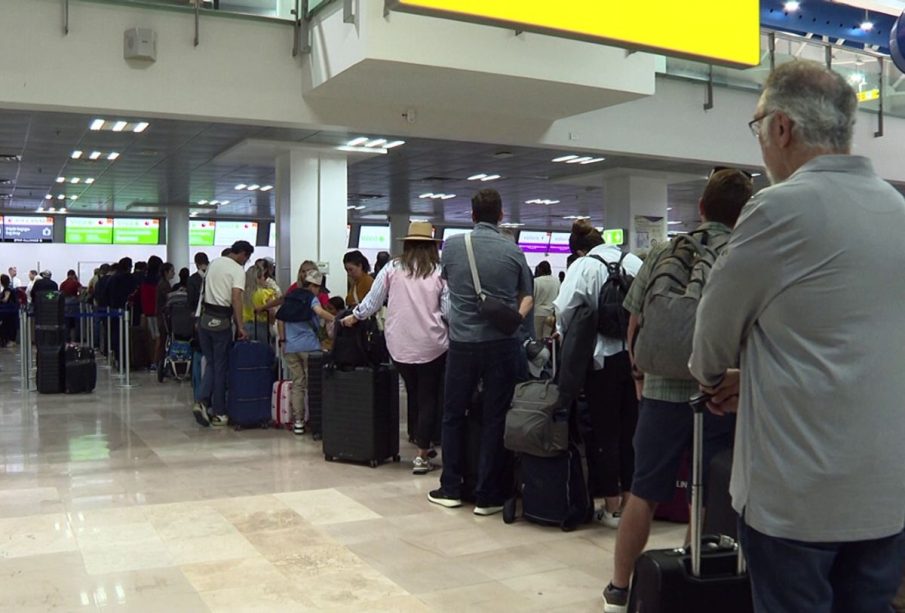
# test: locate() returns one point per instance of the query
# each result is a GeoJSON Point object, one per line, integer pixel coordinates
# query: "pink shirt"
{"type": "Point", "coordinates": [416, 332]}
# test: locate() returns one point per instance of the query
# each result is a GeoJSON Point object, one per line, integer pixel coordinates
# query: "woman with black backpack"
{"type": "Point", "coordinates": [599, 277]}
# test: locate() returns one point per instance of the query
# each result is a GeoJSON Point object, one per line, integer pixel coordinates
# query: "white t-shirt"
{"type": "Point", "coordinates": [16, 282]}
{"type": "Point", "coordinates": [223, 276]}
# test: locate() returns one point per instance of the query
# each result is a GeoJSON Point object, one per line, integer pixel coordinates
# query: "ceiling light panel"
{"type": "Point", "coordinates": [118, 125]}
{"type": "Point", "coordinates": [578, 159]}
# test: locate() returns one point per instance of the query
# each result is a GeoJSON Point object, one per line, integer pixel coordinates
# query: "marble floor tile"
{"type": "Point", "coordinates": [118, 500]}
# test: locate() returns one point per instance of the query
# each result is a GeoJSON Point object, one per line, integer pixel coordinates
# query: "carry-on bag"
{"type": "Point", "coordinates": [314, 402]}
{"type": "Point", "coordinates": [361, 416]}
{"type": "Point", "coordinates": [50, 374]}
{"type": "Point", "coordinates": [50, 308]}
{"type": "Point", "coordinates": [80, 374]}
{"type": "Point", "coordinates": [553, 490]}
{"type": "Point", "coordinates": [281, 399]}
{"type": "Point", "coordinates": [708, 576]}
{"type": "Point", "coordinates": [250, 384]}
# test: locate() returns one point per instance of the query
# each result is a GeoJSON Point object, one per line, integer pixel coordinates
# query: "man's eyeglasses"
{"type": "Point", "coordinates": [754, 124]}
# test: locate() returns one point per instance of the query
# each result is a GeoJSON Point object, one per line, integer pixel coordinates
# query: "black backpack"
{"type": "Point", "coordinates": [612, 318]}
{"type": "Point", "coordinates": [296, 306]}
{"type": "Point", "coordinates": [361, 345]}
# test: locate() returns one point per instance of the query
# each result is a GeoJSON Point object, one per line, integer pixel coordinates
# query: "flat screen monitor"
{"type": "Point", "coordinates": [136, 231]}
{"type": "Point", "coordinates": [534, 242]}
{"type": "Point", "coordinates": [27, 229]}
{"type": "Point", "coordinates": [228, 232]}
{"type": "Point", "coordinates": [201, 233]}
{"type": "Point", "coordinates": [89, 231]}
{"type": "Point", "coordinates": [559, 242]}
{"type": "Point", "coordinates": [374, 237]}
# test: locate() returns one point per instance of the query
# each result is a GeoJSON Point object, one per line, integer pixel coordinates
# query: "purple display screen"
{"type": "Point", "coordinates": [559, 243]}
{"type": "Point", "coordinates": [28, 229]}
{"type": "Point", "coordinates": [534, 242]}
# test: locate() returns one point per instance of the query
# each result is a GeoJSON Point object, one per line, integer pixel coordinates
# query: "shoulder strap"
{"type": "Point", "coordinates": [469, 250]}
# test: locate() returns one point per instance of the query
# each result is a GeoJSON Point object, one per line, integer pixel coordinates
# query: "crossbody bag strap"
{"type": "Point", "coordinates": [202, 296]}
{"type": "Point", "coordinates": [469, 250]}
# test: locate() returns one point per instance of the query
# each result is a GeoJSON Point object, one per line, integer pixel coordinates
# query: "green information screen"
{"type": "Point", "coordinates": [201, 233]}
{"type": "Point", "coordinates": [89, 231]}
{"type": "Point", "coordinates": [614, 237]}
{"type": "Point", "coordinates": [136, 231]}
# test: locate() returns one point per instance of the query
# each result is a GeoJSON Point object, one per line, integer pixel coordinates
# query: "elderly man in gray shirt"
{"type": "Point", "coordinates": [809, 301]}
{"type": "Point", "coordinates": [481, 353]}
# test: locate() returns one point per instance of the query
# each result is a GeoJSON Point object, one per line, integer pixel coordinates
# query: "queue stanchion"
{"type": "Point", "coordinates": [127, 358]}
{"type": "Point", "coordinates": [81, 322]}
{"type": "Point", "coordinates": [93, 318]}
{"type": "Point", "coordinates": [119, 355]}
{"type": "Point", "coordinates": [29, 348]}
{"type": "Point", "coordinates": [23, 349]}
{"type": "Point", "coordinates": [103, 339]}
{"type": "Point", "coordinates": [108, 347]}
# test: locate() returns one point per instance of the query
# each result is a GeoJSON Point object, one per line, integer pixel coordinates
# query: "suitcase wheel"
{"type": "Point", "coordinates": [509, 511]}
{"type": "Point", "coordinates": [373, 463]}
{"type": "Point", "coordinates": [396, 458]}
{"type": "Point", "coordinates": [160, 373]}
{"type": "Point", "coordinates": [328, 458]}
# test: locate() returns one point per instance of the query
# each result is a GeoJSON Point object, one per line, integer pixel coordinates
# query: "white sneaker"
{"type": "Point", "coordinates": [422, 466]}
{"type": "Point", "coordinates": [298, 428]}
{"type": "Point", "coordinates": [219, 421]}
{"type": "Point", "coordinates": [610, 520]}
{"type": "Point", "coordinates": [200, 413]}
{"type": "Point", "coordinates": [487, 511]}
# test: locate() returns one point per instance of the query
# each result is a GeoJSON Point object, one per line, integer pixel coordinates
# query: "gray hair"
{"type": "Point", "coordinates": [820, 103]}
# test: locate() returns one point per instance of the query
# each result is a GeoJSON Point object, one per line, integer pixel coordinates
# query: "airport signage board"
{"type": "Point", "coordinates": [27, 229]}
{"type": "Point", "coordinates": [89, 231]}
{"type": "Point", "coordinates": [136, 231]}
{"type": "Point", "coordinates": [374, 237]}
{"type": "Point", "coordinates": [559, 243]}
{"type": "Point", "coordinates": [534, 242]}
{"type": "Point", "coordinates": [228, 232]}
{"type": "Point", "coordinates": [614, 237]}
{"type": "Point", "coordinates": [201, 233]}
{"type": "Point", "coordinates": [709, 30]}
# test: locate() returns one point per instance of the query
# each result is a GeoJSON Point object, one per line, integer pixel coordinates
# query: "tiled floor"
{"type": "Point", "coordinates": [118, 499]}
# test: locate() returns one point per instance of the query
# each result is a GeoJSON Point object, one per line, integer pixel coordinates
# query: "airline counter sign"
{"type": "Point", "coordinates": [714, 31]}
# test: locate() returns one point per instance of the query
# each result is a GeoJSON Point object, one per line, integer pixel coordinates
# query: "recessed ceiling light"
{"type": "Point", "coordinates": [73, 197]}
{"type": "Point", "coordinates": [63, 210]}
{"type": "Point", "coordinates": [867, 25]}
{"type": "Point", "coordinates": [141, 126]}
{"type": "Point", "coordinates": [40, 209]}
{"type": "Point", "coordinates": [113, 155]}
{"type": "Point", "coordinates": [61, 196]}
{"type": "Point", "coordinates": [253, 187]}
{"type": "Point", "coordinates": [94, 155]}
{"type": "Point", "coordinates": [491, 178]}
{"type": "Point", "coordinates": [51, 209]}
{"type": "Point", "coordinates": [119, 126]}
{"type": "Point", "coordinates": [76, 154]}
{"type": "Point", "coordinates": [565, 158]}
{"type": "Point", "coordinates": [477, 177]}
{"type": "Point", "coordinates": [674, 223]}
{"type": "Point", "coordinates": [224, 202]}
{"type": "Point", "coordinates": [267, 188]}
{"type": "Point", "coordinates": [61, 179]}
{"type": "Point", "coordinates": [89, 181]}
{"type": "Point", "coordinates": [97, 124]}
{"type": "Point", "coordinates": [394, 144]}
{"type": "Point", "coordinates": [193, 214]}
{"type": "Point", "coordinates": [592, 161]}
{"type": "Point", "coordinates": [74, 180]}
{"type": "Point", "coordinates": [355, 142]}
{"type": "Point", "coordinates": [580, 160]}
{"type": "Point", "coordinates": [447, 196]}
{"type": "Point", "coordinates": [377, 142]}
{"type": "Point", "coordinates": [240, 186]}
{"type": "Point", "coordinates": [756, 174]}
{"type": "Point", "coordinates": [48, 197]}
{"type": "Point", "coordinates": [792, 6]}
{"type": "Point", "coordinates": [202, 202]}
{"type": "Point", "coordinates": [214, 202]}
{"type": "Point", "coordinates": [428, 195]}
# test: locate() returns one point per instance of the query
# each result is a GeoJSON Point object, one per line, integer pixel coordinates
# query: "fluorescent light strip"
{"type": "Point", "coordinates": [74, 180]}
{"type": "Point", "coordinates": [140, 127]}
{"type": "Point", "coordinates": [593, 161]}
{"type": "Point", "coordinates": [355, 142]}
{"type": "Point", "coordinates": [428, 195]}
{"type": "Point", "coordinates": [253, 187]}
{"type": "Point", "coordinates": [202, 202]}
{"type": "Point", "coordinates": [491, 178]}
{"type": "Point", "coordinates": [394, 144]}
{"type": "Point", "coordinates": [89, 181]}
{"type": "Point", "coordinates": [477, 177]}
{"type": "Point", "coordinates": [94, 155]}
{"type": "Point", "coordinates": [97, 124]}
{"type": "Point", "coordinates": [76, 154]}
{"type": "Point", "coordinates": [580, 160]}
{"type": "Point", "coordinates": [119, 126]}
{"type": "Point", "coordinates": [267, 188]}
{"type": "Point", "coordinates": [61, 179]}
{"type": "Point", "coordinates": [113, 155]}
{"type": "Point", "coordinates": [565, 158]}
{"type": "Point", "coordinates": [241, 186]}
{"type": "Point", "coordinates": [377, 142]}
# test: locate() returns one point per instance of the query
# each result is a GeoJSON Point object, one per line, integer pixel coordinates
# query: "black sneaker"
{"type": "Point", "coordinates": [439, 497]}
{"type": "Point", "coordinates": [615, 600]}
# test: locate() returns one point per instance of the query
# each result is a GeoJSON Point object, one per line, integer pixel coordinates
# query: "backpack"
{"type": "Point", "coordinates": [612, 318]}
{"type": "Point", "coordinates": [296, 306]}
{"type": "Point", "coordinates": [663, 343]}
{"type": "Point", "coordinates": [361, 345]}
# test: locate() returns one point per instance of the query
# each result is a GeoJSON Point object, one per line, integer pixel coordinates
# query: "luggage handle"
{"type": "Point", "coordinates": [698, 404]}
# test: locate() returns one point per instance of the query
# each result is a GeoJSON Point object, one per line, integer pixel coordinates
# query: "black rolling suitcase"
{"type": "Point", "coordinates": [80, 369]}
{"type": "Point", "coordinates": [720, 517]}
{"type": "Point", "coordinates": [315, 394]}
{"type": "Point", "coordinates": [711, 577]}
{"type": "Point", "coordinates": [50, 319]}
{"type": "Point", "coordinates": [50, 377]}
{"type": "Point", "coordinates": [361, 414]}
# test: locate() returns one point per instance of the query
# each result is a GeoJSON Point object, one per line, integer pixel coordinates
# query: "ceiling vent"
{"type": "Point", "coordinates": [9, 157]}
{"type": "Point", "coordinates": [6, 181]}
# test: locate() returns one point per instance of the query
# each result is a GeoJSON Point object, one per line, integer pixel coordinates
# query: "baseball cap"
{"type": "Point", "coordinates": [315, 278]}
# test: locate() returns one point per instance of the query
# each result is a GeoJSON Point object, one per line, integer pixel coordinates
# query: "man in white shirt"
{"type": "Point", "coordinates": [220, 308]}
{"type": "Point", "coordinates": [14, 281]}
{"type": "Point", "coordinates": [32, 275]}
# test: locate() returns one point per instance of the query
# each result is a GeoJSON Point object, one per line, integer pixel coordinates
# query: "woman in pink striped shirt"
{"type": "Point", "coordinates": [416, 331]}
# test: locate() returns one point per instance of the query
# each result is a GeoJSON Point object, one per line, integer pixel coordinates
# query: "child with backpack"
{"type": "Point", "coordinates": [299, 324]}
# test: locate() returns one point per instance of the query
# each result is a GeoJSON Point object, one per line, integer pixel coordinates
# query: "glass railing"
{"type": "Point", "coordinates": [282, 10]}
{"type": "Point", "coordinates": [863, 69]}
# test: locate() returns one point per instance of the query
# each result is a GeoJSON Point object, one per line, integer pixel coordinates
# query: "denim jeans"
{"type": "Point", "coordinates": [215, 346]}
{"type": "Point", "coordinates": [791, 576]}
{"type": "Point", "coordinates": [494, 364]}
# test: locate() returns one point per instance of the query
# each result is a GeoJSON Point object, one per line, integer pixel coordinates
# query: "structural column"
{"type": "Point", "coordinates": [399, 228]}
{"type": "Point", "coordinates": [178, 237]}
{"type": "Point", "coordinates": [311, 217]}
{"type": "Point", "coordinates": [637, 204]}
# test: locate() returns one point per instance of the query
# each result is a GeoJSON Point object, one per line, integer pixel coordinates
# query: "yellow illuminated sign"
{"type": "Point", "coordinates": [719, 31]}
{"type": "Point", "coordinates": [868, 95]}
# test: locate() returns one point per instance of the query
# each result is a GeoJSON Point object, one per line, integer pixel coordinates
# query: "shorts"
{"type": "Point", "coordinates": [663, 435]}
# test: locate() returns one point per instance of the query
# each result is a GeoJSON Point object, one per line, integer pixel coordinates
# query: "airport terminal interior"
{"type": "Point", "coordinates": [309, 129]}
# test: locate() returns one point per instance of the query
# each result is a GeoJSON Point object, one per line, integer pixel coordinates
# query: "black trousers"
{"type": "Point", "coordinates": [614, 413]}
{"type": "Point", "coordinates": [423, 383]}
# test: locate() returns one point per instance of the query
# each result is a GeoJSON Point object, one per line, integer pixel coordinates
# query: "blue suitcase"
{"type": "Point", "coordinates": [250, 383]}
